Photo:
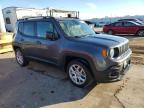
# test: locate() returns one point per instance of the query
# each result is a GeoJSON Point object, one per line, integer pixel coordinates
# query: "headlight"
{"type": "Point", "coordinates": [112, 53]}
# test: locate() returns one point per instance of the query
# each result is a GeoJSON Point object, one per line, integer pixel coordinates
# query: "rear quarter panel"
{"type": "Point", "coordinates": [106, 28]}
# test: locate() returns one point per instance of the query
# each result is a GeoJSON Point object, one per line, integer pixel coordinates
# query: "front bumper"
{"type": "Point", "coordinates": [114, 73]}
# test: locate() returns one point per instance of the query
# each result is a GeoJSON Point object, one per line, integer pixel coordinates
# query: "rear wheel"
{"type": "Point", "coordinates": [141, 33]}
{"type": "Point", "coordinates": [21, 60]}
{"type": "Point", "coordinates": [79, 74]}
{"type": "Point", "coordinates": [110, 32]}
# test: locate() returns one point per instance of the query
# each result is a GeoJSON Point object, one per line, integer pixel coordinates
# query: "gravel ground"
{"type": "Point", "coordinates": [137, 46]}
{"type": "Point", "coordinates": [45, 86]}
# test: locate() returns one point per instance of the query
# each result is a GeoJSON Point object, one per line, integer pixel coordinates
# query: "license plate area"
{"type": "Point", "coordinates": [125, 64]}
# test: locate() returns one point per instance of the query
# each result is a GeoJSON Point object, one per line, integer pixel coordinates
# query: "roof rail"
{"type": "Point", "coordinates": [44, 17]}
{"type": "Point", "coordinates": [35, 17]}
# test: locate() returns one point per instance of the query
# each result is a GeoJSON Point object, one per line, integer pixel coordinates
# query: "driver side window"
{"type": "Point", "coordinates": [43, 27]}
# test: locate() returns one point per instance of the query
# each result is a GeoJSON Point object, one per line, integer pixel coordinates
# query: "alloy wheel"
{"type": "Point", "coordinates": [141, 33]}
{"type": "Point", "coordinates": [77, 74]}
{"type": "Point", "coordinates": [19, 57]}
{"type": "Point", "coordinates": [110, 32]}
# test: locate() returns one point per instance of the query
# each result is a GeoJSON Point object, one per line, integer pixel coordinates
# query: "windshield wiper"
{"type": "Point", "coordinates": [78, 36]}
{"type": "Point", "coordinates": [81, 36]}
{"type": "Point", "coordinates": [87, 35]}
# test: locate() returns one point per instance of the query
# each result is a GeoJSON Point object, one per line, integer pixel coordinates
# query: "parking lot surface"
{"type": "Point", "coordinates": [45, 86]}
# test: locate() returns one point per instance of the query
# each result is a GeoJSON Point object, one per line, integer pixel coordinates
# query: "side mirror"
{"type": "Point", "coordinates": [50, 35]}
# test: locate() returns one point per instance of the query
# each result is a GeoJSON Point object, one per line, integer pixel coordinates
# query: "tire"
{"type": "Point", "coordinates": [140, 33]}
{"type": "Point", "coordinates": [110, 32]}
{"type": "Point", "coordinates": [78, 79]}
{"type": "Point", "coordinates": [21, 60]}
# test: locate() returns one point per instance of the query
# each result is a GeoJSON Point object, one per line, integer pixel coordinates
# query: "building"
{"type": "Point", "coordinates": [2, 24]}
{"type": "Point", "coordinates": [12, 14]}
{"type": "Point", "coordinates": [62, 13]}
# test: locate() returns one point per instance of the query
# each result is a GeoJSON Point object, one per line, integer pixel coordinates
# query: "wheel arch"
{"type": "Point", "coordinates": [139, 30]}
{"type": "Point", "coordinates": [85, 61]}
{"type": "Point", "coordinates": [111, 30]}
{"type": "Point", "coordinates": [16, 47]}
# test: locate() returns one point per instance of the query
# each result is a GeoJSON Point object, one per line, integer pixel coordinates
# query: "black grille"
{"type": "Point", "coordinates": [123, 48]}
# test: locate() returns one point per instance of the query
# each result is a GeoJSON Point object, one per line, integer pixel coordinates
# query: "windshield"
{"type": "Point", "coordinates": [75, 28]}
{"type": "Point", "coordinates": [136, 23]}
{"type": "Point", "coordinates": [140, 22]}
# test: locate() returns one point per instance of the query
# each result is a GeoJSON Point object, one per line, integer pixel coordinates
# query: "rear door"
{"type": "Point", "coordinates": [130, 28]}
{"type": "Point", "coordinates": [28, 37]}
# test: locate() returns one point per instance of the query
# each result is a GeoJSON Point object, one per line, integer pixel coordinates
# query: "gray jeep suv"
{"type": "Point", "coordinates": [72, 45]}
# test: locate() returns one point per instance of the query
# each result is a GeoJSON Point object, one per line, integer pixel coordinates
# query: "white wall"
{"type": "Point", "coordinates": [61, 14]}
{"type": "Point", "coordinates": [15, 13]}
{"type": "Point", "coordinates": [23, 13]}
{"type": "Point", "coordinates": [11, 14]}
{"type": "Point", "coordinates": [2, 24]}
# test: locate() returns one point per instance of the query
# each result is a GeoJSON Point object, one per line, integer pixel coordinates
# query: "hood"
{"type": "Point", "coordinates": [104, 40]}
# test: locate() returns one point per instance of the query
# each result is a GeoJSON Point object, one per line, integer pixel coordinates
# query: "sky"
{"type": "Point", "coordinates": [87, 8]}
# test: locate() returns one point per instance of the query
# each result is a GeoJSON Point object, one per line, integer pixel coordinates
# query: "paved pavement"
{"type": "Point", "coordinates": [41, 85]}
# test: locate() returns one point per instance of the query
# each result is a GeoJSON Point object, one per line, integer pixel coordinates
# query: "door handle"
{"type": "Point", "coordinates": [22, 39]}
{"type": "Point", "coordinates": [38, 42]}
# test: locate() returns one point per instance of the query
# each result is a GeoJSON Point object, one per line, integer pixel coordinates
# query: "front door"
{"type": "Point", "coordinates": [28, 37]}
{"type": "Point", "coordinates": [47, 49]}
{"type": "Point", "coordinates": [118, 28]}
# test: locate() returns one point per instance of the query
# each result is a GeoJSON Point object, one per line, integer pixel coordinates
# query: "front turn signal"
{"type": "Point", "coordinates": [104, 53]}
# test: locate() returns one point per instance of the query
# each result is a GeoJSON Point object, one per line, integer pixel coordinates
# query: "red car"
{"type": "Point", "coordinates": [124, 27]}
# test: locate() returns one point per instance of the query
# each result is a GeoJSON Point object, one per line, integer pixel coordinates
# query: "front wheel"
{"type": "Point", "coordinates": [141, 33]}
{"type": "Point", "coordinates": [21, 60]}
{"type": "Point", "coordinates": [79, 74]}
{"type": "Point", "coordinates": [110, 32]}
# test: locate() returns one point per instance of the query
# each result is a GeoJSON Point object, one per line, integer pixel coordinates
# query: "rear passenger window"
{"type": "Point", "coordinates": [43, 27]}
{"type": "Point", "coordinates": [28, 28]}
{"type": "Point", "coordinates": [20, 27]}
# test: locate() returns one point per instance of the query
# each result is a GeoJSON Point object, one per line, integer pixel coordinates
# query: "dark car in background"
{"type": "Point", "coordinates": [125, 28]}
{"type": "Point", "coordinates": [134, 20]}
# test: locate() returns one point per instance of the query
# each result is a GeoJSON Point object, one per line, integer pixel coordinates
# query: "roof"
{"type": "Point", "coordinates": [23, 8]}
{"type": "Point", "coordinates": [54, 10]}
